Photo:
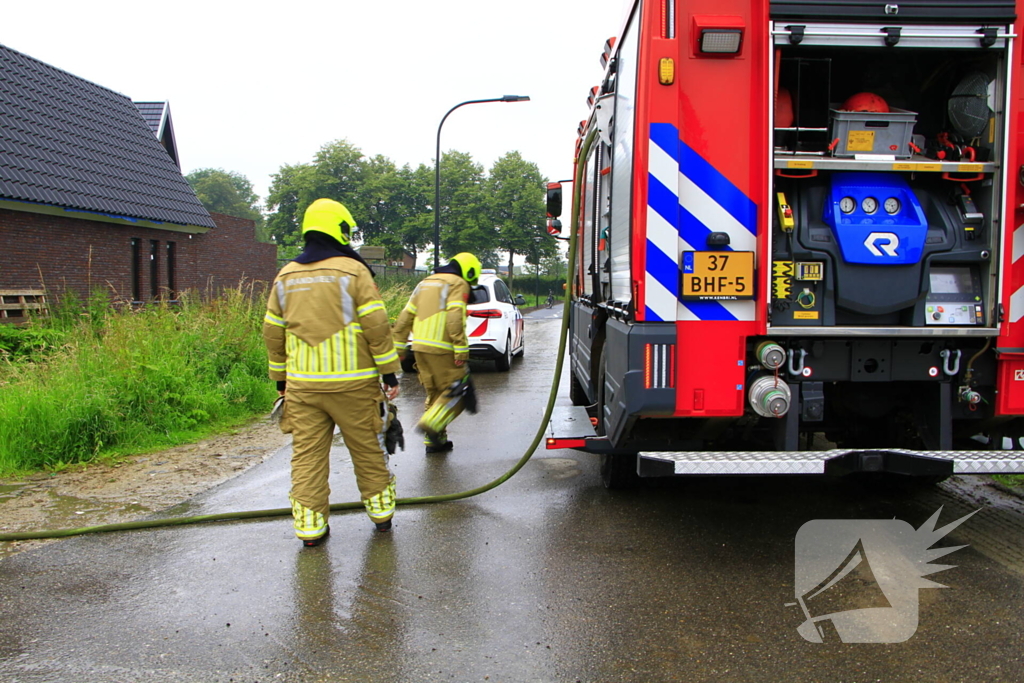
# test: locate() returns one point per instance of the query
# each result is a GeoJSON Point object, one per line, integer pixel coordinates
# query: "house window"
{"type": "Point", "coordinates": [170, 270]}
{"type": "Point", "coordinates": [154, 268]}
{"type": "Point", "coordinates": [136, 283]}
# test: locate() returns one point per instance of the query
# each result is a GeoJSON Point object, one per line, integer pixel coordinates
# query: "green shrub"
{"type": "Point", "coordinates": [125, 380]}
{"type": "Point", "coordinates": [94, 380]}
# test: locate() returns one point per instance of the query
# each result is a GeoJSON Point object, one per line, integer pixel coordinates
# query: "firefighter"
{"type": "Point", "coordinates": [328, 338]}
{"type": "Point", "coordinates": [436, 316]}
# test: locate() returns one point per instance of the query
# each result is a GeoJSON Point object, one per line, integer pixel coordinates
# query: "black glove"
{"type": "Point", "coordinates": [465, 390]}
{"type": "Point", "coordinates": [394, 437]}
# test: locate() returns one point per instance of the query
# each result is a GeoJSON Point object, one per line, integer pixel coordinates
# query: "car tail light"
{"type": "Point", "coordinates": [485, 313]}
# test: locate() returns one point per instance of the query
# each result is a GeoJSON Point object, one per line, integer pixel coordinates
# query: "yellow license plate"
{"type": "Point", "coordinates": [710, 275]}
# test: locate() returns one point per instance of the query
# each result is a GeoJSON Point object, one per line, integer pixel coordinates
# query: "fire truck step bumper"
{"type": "Point", "coordinates": [570, 427]}
{"type": "Point", "coordinates": [833, 462]}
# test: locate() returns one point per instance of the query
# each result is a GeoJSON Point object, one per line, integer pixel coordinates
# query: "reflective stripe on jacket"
{"type": "Point", "coordinates": [436, 316]}
{"type": "Point", "coordinates": [326, 326]}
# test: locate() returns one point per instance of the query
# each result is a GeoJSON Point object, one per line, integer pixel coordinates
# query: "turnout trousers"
{"type": "Point", "coordinates": [361, 415]}
{"type": "Point", "coordinates": [437, 373]}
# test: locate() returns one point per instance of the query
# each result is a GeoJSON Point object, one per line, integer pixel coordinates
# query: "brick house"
{"type": "Point", "coordinates": [90, 197]}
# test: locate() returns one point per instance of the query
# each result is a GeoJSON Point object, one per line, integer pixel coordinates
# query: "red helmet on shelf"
{"type": "Point", "coordinates": [865, 101]}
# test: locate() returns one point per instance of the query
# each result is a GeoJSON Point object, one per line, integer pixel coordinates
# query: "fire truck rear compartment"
{"type": "Point", "coordinates": [867, 263]}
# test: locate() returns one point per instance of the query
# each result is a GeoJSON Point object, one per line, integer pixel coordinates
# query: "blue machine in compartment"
{"type": "Point", "coordinates": [876, 219]}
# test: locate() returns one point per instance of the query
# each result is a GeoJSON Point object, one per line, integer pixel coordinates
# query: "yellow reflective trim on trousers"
{"type": "Point", "coordinates": [440, 415]}
{"type": "Point", "coordinates": [307, 523]}
{"type": "Point", "coordinates": [273, 319]}
{"type": "Point", "coordinates": [370, 307]}
{"type": "Point", "coordinates": [383, 504]}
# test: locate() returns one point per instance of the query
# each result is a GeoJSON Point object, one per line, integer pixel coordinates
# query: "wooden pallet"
{"type": "Point", "coordinates": [16, 303]}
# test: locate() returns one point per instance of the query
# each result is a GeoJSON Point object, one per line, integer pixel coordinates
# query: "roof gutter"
{"type": "Point", "coordinates": [83, 214]}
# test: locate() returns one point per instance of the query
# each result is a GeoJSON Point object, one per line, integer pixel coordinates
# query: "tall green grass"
{"type": "Point", "coordinates": [92, 380]}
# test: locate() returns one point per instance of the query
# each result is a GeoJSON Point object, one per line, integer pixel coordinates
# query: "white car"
{"type": "Point", "coordinates": [494, 325]}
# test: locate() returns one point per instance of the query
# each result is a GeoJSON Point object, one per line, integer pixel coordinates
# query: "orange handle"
{"type": "Point", "coordinates": [809, 174]}
{"type": "Point", "coordinates": [961, 179]}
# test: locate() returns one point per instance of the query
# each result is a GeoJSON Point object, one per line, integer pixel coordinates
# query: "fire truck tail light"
{"type": "Point", "coordinates": [659, 366]}
{"type": "Point", "coordinates": [720, 41]}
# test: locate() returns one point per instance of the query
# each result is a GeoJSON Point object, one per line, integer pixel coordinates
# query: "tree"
{"type": "Point", "coordinates": [555, 265]}
{"type": "Point", "coordinates": [227, 192]}
{"type": "Point", "coordinates": [397, 207]}
{"type": "Point", "coordinates": [463, 211]}
{"type": "Point", "coordinates": [390, 204]}
{"type": "Point", "coordinates": [515, 202]}
{"type": "Point", "coordinates": [292, 189]}
{"type": "Point", "coordinates": [338, 172]}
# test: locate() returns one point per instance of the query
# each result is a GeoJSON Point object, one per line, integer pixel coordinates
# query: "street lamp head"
{"type": "Point", "coordinates": [437, 166]}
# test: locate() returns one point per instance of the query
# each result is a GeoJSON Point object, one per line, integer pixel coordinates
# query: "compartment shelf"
{"type": "Point", "coordinates": [918, 163]}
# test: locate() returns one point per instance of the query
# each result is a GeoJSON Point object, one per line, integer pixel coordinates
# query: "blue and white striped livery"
{"type": "Point", "coordinates": [688, 199]}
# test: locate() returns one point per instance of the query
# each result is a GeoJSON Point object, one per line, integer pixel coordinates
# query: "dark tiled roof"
{"type": "Point", "coordinates": [158, 116]}
{"type": "Point", "coordinates": [67, 142]}
{"type": "Point", "coordinates": [153, 112]}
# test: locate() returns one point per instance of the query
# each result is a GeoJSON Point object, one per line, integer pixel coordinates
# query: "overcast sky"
{"type": "Point", "coordinates": [253, 86]}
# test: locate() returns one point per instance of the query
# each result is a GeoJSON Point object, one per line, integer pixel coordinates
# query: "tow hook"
{"type": "Point", "coordinates": [950, 361]}
{"type": "Point", "coordinates": [797, 370]}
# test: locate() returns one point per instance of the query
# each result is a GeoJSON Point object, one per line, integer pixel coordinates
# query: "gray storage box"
{"type": "Point", "coordinates": [863, 132]}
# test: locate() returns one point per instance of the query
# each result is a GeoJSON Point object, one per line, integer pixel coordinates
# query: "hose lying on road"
{"type": "Point", "coordinates": [421, 500]}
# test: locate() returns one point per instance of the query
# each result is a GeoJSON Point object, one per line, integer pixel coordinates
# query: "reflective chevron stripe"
{"type": "Point", "coordinates": [688, 199]}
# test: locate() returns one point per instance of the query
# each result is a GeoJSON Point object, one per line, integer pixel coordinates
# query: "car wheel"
{"type": "Point", "coordinates": [504, 361]}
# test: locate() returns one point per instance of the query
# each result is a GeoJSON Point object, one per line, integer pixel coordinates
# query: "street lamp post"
{"type": "Point", "coordinates": [437, 168]}
{"type": "Point", "coordinates": [537, 239]}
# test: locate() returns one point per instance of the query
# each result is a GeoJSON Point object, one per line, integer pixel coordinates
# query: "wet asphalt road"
{"type": "Point", "coordinates": [547, 578]}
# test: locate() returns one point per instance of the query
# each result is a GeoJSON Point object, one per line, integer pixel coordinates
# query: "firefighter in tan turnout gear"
{"type": "Point", "coordinates": [328, 339]}
{"type": "Point", "coordinates": [436, 316]}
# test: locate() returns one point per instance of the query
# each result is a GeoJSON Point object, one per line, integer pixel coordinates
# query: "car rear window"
{"type": "Point", "coordinates": [479, 295]}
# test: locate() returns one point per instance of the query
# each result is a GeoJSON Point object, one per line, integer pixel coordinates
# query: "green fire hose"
{"type": "Point", "coordinates": [420, 500]}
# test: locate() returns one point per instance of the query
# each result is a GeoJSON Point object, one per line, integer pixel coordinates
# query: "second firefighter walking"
{"type": "Point", "coordinates": [436, 317]}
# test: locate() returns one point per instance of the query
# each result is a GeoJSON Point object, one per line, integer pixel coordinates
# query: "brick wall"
{"type": "Point", "coordinates": [230, 253]}
{"type": "Point", "coordinates": [61, 253]}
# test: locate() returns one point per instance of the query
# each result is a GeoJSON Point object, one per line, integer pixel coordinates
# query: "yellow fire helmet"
{"type": "Point", "coordinates": [469, 266]}
{"type": "Point", "coordinates": [329, 217]}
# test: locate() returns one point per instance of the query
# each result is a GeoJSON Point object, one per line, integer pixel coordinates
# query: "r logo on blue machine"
{"type": "Point", "coordinates": [876, 219]}
{"type": "Point", "coordinates": [882, 243]}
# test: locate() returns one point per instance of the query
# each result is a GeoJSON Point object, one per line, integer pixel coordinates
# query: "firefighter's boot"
{"type": "Point", "coordinates": [437, 443]}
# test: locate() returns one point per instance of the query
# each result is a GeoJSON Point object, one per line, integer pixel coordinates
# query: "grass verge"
{"type": "Point", "coordinates": [92, 381]}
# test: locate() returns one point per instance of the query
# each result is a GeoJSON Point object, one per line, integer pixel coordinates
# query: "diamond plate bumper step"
{"type": "Point", "coordinates": [837, 461]}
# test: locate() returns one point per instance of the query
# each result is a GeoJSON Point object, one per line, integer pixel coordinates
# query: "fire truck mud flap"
{"type": "Point", "coordinates": [832, 462]}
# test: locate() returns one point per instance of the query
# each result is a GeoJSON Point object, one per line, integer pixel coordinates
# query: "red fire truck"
{"type": "Point", "coordinates": [799, 241]}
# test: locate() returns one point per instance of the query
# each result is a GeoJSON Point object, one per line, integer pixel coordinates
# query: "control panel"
{"type": "Point", "coordinates": [954, 296]}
